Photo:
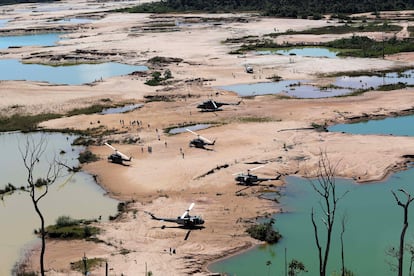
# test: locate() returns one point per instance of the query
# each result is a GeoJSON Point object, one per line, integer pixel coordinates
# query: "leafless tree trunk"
{"type": "Point", "coordinates": [31, 153]}
{"type": "Point", "coordinates": [326, 189]}
{"type": "Point", "coordinates": [404, 229]}
{"type": "Point", "coordinates": [343, 222]}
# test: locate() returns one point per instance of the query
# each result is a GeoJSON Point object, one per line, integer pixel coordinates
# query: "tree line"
{"type": "Point", "coordinates": [279, 8]}
{"type": "Point", "coordinates": [11, 2]}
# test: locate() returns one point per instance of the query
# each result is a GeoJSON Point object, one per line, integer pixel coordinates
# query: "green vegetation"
{"type": "Point", "coordinates": [377, 73]}
{"type": "Point", "coordinates": [393, 86]}
{"type": "Point", "coordinates": [68, 228]}
{"type": "Point", "coordinates": [96, 108]}
{"type": "Point", "coordinates": [275, 78]}
{"type": "Point", "coordinates": [82, 141]}
{"type": "Point", "coordinates": [296, 267]}
{"type": "Point", "coordinates": [28, 123]}
{"type": "Point", "coordinates": [300, 8]}
{"type": "Point", "coordinates": [160, 61]}
{"type": "Point", "coordinates": [361, 46]}
{"type": "Point", "coordinates": [31, 273]}
{"type": "Point", "coordinates": [264, 232]}
{"type": "Point", "coordinates": [355, 46]}
{"type": "Point", "coordinates": [122, 208]}
{"type": "Point", "coordinates": [87, 157]}
{"type": "Point", "coordinates": [158, 78]}
{"type": "Point", "coordinates": [347, 28]}
{"type": "Point", "coordinates": [318, 127]}
{"type": "Point", "coordinates": [90, 264]}
{"type": "Point", "coordinates": [11, 2]}
{"type": "Point", "coordinates": [255, 119]}
{"type": "Point", "coordinates": [24, 123]}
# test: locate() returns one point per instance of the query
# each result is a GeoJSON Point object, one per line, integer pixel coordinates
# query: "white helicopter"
{"type": "Point", "coordinates": [185, 219]}
{"type": "Point", "coordinates": [200, 142]}
{"type": "Point", "coordinates": [117, 157]}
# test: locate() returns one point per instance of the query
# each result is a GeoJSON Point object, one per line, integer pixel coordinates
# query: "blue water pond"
{"type": "Point", "coordinates": [71, 75]}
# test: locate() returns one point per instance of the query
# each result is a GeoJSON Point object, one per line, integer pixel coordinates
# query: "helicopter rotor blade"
{"type": "Point", "coordinates": [123, 155]}
{"type": "Point", "coordinates": [257, 167]}
{"type": "Point", "coordinates": [214, 104]}
{"type": "Point", "coordinates": [188, 210]}
{"type": "Point", "coordinates": [205, 139]}
{"type": "Point", "coordinates": [189, 130]}
{"type": "Point", "coordinates": [108, 145]}
{"type": "Point", "coordinates": [184, 215]}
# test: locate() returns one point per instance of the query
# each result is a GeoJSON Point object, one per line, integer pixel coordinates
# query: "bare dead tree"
{"type": "Point", "coordinates": [325, 187]}
{"type": "Point", "coordinates": [31, 153]}
{"type": "Point", "coordinates": [343, 223]}
{"type": "Point", "coordinates": [405, 206]}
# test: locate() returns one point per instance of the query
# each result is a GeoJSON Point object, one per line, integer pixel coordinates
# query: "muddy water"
{"type": "Point", "coordinates": [75, 195]}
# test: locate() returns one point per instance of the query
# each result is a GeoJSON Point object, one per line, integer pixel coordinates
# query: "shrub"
{"type": "Point", "coordinates": [264, 232]}
{"type": "Point", "coordinates": [87, 157]}
{"type": "Point", "coordinates": [66, 221]}
{"type": "Point", "coordinates": [77, 231]}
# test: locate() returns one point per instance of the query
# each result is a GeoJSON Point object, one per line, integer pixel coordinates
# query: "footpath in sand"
{"type": "Point", "coordinates": [261, 130]}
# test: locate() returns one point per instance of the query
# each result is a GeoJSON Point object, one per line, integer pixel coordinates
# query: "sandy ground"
{"type": "Point", "coordinates": [262, 130]}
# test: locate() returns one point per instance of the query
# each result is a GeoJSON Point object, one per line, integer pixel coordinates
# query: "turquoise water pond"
{"type": "Point", "coordinates": [71, 75]}
{"type": "Point", "coordinates": [306, 52]}
{"type": "Point", "coordinates": [48, 39]}
{"type": "Point", "coordinates": [374, 223]}
{"type": "Point", "coordinates": [402, 126]}
{"type": "Point", "coordinates": [76, 195]}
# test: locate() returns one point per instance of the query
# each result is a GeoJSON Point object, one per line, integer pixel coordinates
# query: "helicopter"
{"type": "Point", "coordinates": [200, 141]}
{"type": "Point", "coordinates": [185, 219]}
{"type": "Point", "coordinates": [212, 105]}
{"type": "Point", "coordinates": [117, 157]}
{"type": "Point", "coordinates": [251, 179]}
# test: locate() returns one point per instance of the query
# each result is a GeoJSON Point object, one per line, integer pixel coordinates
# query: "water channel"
{"type": "Point", "coordinates": [374, 223]}
{"type": "Point", "coordinates": [74, 194]}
